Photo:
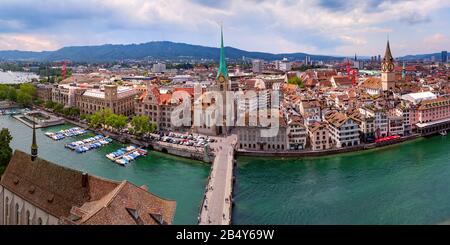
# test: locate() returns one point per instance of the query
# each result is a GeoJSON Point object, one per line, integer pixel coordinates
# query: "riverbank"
{"type": "Point", "coordinates": [193, 153]}
{"type": "Point", "coordinates": [330, 152]}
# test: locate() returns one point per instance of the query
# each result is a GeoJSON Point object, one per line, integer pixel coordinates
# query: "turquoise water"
{"type": "Point", "coordinates": [169, 177]}
{"type": "Point", "coordinates": [402, 184]}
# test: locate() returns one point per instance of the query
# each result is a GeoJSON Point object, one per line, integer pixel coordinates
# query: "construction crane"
{"type": "Point", "coordinates": [351, 73]}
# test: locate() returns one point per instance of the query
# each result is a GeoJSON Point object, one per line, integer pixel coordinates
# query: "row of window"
{"type": "Point", "coordinates": [16, 213]}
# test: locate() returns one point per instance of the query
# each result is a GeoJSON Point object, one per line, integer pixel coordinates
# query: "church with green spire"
{"type": "Point", "coordinates": [222, 73]}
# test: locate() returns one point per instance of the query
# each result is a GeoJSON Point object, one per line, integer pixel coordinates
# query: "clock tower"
{"type": "Point", "coordinates": [222, 73]}
{"type": "Point", "coordinates": [387, 70]}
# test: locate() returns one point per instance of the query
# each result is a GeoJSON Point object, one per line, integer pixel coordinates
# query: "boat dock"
{"type": "Point", "coordinates": [72, 132]}
{"type": "Point", "coordinates": [217, 204]}
{"type": "Point", "coordinates": [126, 155]}
{"type": "Point", "coordinates": [89, 144]}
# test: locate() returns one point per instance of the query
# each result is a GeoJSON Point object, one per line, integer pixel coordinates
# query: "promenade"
{"type": "Point", "coordinates": [217, 204]}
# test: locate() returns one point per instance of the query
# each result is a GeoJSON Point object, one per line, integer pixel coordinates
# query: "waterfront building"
{"type": "Point", "coordinates": [65, 94]}
{"type": "Point", "coordinates": [433, 115]}
{"type": "Point", "coordinates": [396, 126]}
{"type": "Point", "coordinates": [119, 99]}
{"type": "Point", "coordinates": [158, 106]}
{"type": "Point", "coordinates": [344, 131]}
{"type": "Point", "coordinates": [366, 126]}
{"type": "Point", "coordinates": [388, 78]}
{"type": "Point", "coordinates": [44, 92]}
{"type": "Point", "coordinates": [296, 133]}
{"type": "Point", "coordinates": [381, 119]}
{"type": "Point", "coordinates": [34, 191]}
{"type": "Point", "coordinates": [250, 137]}
{"type": "Point", "coordinates": [319, 136]}
{"type": "Point", "coordinates": [404, 110]}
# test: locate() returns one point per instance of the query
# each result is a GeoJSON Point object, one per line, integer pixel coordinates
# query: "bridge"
{"type": "Point", "coordinates": [217, 203]}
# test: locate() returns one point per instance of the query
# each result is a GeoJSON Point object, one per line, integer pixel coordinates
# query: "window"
{"type": "Point", "coordinates": [6, 211]}
{"type": "Point", "coordinates": [17, 214]}
{"type": "Point", "coordinates": [28, 217]}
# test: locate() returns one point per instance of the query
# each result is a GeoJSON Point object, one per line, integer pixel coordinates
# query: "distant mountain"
{"type": "Point", "coordinates": [153, 50]}
{"type": "Point", "coordinates": [437, 56]}
{"type": "Point", "coordinates": [161, 50]}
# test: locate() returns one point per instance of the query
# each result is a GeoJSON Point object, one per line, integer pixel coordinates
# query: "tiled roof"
{"type": "Point", "coordinates": [435, 103]}
{"type": "Point", "coordinates": [372, 83]}
{"type": "Point", "coordinates": [61, 191]}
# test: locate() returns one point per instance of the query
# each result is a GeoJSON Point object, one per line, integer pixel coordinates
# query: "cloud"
{"type": "Point", "coordinates": [436, 39]}
{"type": "Point", "coordinates": [324, 26]}
{"type": "Point", "coordinates": [26, 42]}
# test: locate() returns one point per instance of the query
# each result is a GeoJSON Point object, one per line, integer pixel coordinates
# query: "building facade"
{"type": "Point", "coordinates": [119, 100]}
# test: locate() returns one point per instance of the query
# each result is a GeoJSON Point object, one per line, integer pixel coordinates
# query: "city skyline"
{"type": "Point", "coordinates": [317, 27]}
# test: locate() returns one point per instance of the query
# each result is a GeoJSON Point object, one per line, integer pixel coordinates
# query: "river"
{"type": "Point", "coordinates": [402, 184]}
{"type": "Point", "coordinates": [169, 177]}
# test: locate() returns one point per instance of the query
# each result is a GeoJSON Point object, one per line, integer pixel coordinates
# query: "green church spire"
{"type": "Point", "coordinates": [223, 65]}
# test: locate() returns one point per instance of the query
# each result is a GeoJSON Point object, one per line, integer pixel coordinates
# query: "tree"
{"type": "Point", "coordinates": [11, 94]}
{"type": "Point", "coordinates": [58, 108]}
{"type": "Point", "coordinates": [24, 98]}
{"type": "Point", "coordinates": [74, 111]}
{"type": "Point", "coordinates": [99, 118]}
{"type": "Point", "coordinates": [50, 104]}
{"type": "Point", "coordinates": [66, 111]}
{"type": "Point", "coordinates": [28, 88]}
{"type": "Point", "coordinates": [5, 149]}
{"type": "Point", "coordinates": [142, 125]}
{"type": "Point", "coordinates": [297, 81]}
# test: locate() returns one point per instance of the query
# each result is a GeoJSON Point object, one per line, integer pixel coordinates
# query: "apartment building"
{"type": "Point", "coordinates": [344, 131]}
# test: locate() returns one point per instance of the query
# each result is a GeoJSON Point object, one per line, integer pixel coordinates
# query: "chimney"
{"type": "Point", "coordinates": [84, 180]}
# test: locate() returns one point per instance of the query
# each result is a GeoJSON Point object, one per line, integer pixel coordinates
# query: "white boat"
{"type": "Point", "coordinates": [443, 133]}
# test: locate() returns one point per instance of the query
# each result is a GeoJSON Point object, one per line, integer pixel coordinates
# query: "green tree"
{"type": "Point", "coordinates": [84, 117]}
{"type": "Point", "coordinates": [5, 149]}
{"type": "Point", "coordinates": [99, 118]}
{"type": "Point", "coordinates": [297, 81]}
{"type": "Point", "coordinates": [50, 104]}
{"type": "Point", "coordinates": [4, 92]}
{"type": "Point", "coordinates": [117, 122]}
{"type": "Point", "coordinates": [74, 111]}
{"type": "Point", "coordinates": [66, 111]}
{"type": "Point", "coordinates": [28, 88]}
{"type": "Point", "coordinates": [58, 108]}
{"type": "Point", "coordinates": [12, 94]}
{"type": "Point", "coordinates": [24, 98]}
{"type": "Point", "coordinates": [142, 125]}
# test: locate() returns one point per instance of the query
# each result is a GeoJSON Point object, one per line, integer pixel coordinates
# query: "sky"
{"type": "Point", "coordinates": [330, 27]}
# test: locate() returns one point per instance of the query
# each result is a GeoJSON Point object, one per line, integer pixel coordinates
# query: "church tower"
{"type": "Point", "coordinates": [387, 70]}
{"type": "Point", "coordinates": [34, 147]}
{"type": "Point", "coordinates": [222, 74]}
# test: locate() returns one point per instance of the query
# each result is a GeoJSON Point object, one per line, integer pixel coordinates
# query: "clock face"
{"type": "Point", "coordinates": [383, 67]}
{"type": "Point", "coordinates": [221, 79]}
{"type": "Point", "coordinates": [391, 67]}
